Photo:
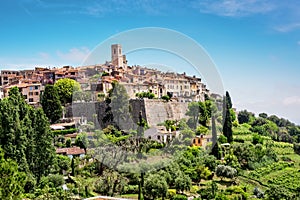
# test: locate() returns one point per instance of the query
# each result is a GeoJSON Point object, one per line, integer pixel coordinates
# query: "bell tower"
{"type": "Point", "coordinates": [116, 55]}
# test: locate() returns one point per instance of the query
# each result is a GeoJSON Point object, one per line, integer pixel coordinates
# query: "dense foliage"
{"type": "Point", "coordinates": [51, 104]}
{"type": "Point", "coordinates": [260, 161]}
{"type": "Point", "coordinates": [65, 88]}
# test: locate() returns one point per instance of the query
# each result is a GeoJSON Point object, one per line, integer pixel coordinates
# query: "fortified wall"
{"type": "Point", "coordinates": [154, 111]}
{"type": "Point", "coordinates": [157, 111]}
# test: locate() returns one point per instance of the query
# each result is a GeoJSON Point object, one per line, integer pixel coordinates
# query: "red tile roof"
{"type": "Point", "coordinates": [70, 151]}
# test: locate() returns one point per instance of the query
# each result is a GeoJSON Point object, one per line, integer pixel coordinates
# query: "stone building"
{"type": "Point", "coordinates": [30, 91]}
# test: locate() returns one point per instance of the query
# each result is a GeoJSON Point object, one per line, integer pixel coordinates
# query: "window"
{"type": "Point", "coordinates": [25, 96]}
{"type": "Point", "coordinates": [114, 51]}
{"type": "Point", "coordinates": [31, 88]}
{"type": "Point", "coordinates": [36, 93]}
{"type": "Point", "coordinates": [30, 99]}
{"type": "Point", "coordinates": [30, 93]}
{"type": "Point", "coordinates": [36, 87]}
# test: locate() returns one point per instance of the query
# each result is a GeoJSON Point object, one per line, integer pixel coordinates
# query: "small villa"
{"type": "Point", "coordinates": [71, 152]}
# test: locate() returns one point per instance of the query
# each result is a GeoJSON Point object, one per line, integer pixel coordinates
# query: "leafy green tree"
{"type": "Point", "coordinates": [279, 192]}
{"type": "Point", "coordinates": [82, 141]}
{"type": "Point", "coordinates": [202, 172]}
{"type": "Point", "coordinates": [155, 187]}
{"type": "Point", "coordinates": [244, 116]}
{"type": "Point", "coordinates": [54, 180]}
{"type": "Point", "coordinates": [183, 183]}
{"type": "Point", "coordinates": [245, 154]}
{"type": "Point", "coordinates": [231, 160]}
{"type": "Point", "coordinates": [63, 162]}
{"type": "Point", "coordinates": [12, 181]}
{"type": "Point", "coordinates": [65, 88]}
{"type": "Point", "coordinates": [226, 171]}
{"type": "Point", "coordinates": [51, 103]}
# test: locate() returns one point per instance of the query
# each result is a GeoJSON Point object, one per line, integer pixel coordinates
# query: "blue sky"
{"type": "Point", "coordinates": [254, 44]}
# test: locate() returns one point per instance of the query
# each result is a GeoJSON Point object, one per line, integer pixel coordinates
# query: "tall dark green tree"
{"type": "Point", "coordinates": [227, 126]}
{"type": "Point", "coordinates": [45, 152]}
{"type": "Point", "coordinates": [228, 100]}
{"type": "Point", "coordinates": [215, 147]}
{"type": "Point", "coordinates": [51, 103]}
{"type": "Point", "coordinates": [12, 137]}
{"type": "Point", "coordinates": [118, 108]}
{"type": "Point", "coordinates": [12, 181]}
{"type": "Point", "coordinates": [25, 135]}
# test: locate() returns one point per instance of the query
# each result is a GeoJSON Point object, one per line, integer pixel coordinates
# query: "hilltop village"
{"type": "Point", "coordinates": [97, 80]}
{"type": "Point", "coordinates": [111, 130]}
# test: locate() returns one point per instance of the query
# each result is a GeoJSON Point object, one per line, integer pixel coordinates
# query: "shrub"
{"type": "Point", "coordinates": [165, 97]}
{"type": "Point", "coordinates": [64, 132]}
{"type": "Point", "coordinates": [53, 181]}
{"type": "Point", "coordinates": [68, 142]}
{"type": "Point", "coordinates": [179, 197]}
{"type": "Point", "coordinates": [257, 139]}
{"type": "Point", "coordinates": [131, 189]}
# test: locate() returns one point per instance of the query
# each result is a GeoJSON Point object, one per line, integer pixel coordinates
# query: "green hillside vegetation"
{"type": "Point", "coordinates": [261, 161]}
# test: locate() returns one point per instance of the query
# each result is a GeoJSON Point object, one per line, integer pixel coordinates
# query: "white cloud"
{"type": "Point", "coordinates": [235, 8]}
{"type": "Point", "coordinates": [288, 27]}
{"type": "Point", "coordinates": [291, 101]}
{"type": "Point", "coordinates": [74, 55]}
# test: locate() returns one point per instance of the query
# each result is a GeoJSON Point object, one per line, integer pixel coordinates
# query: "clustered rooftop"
{"type": "Point", "coordinates": [98, 78]}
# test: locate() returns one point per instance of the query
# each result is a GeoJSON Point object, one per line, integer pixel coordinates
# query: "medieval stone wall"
{"type": "Point", "coordinates": [154, 111]}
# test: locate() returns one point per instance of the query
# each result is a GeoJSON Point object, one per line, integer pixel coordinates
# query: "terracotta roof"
{"type": "Point", "coordinates": [70, 151]}
{"type": "Point", "coordinates": [73, 135]}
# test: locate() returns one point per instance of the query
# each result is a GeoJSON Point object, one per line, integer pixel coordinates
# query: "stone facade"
{"type": "Point", "coordinates": [154, 111]}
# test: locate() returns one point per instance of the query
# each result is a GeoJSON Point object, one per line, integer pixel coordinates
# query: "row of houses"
{"type": "Point", "coordinates": [98, 78]}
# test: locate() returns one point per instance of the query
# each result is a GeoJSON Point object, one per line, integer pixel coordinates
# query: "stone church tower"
{"type": "Point", "coordinates": [117, 58]}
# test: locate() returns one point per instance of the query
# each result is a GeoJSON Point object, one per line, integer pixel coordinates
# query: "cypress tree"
{"type": "Point", "coordinates": [215, 148]}
{"type": "Point", "coordinates": [51, 103]}
{"type": "Point", "coordinates": [227, 127]}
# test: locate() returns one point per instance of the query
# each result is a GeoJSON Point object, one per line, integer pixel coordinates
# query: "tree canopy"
{"type": "Point", "coordinates": [65, 88]}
